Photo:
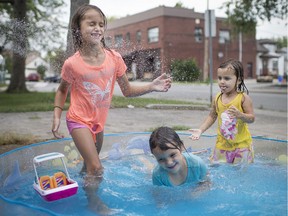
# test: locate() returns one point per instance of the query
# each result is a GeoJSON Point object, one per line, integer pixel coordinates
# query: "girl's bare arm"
{"type": "Point", "coordinates": [160, 84]}
{"type": "Point", "coordinates": [248, 115]}
{"type": "Point", "coordinates": [60, 98]}
{"type": "Point", "coordinates": [208, 122]}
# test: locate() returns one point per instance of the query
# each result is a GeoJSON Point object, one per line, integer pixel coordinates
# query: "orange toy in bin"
{"type": "Point", "coordinates": [59, 179]}
{"type": "Point", "coordinates": [46, 183]}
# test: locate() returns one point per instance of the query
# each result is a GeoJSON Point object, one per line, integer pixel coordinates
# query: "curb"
{"type": "Point", "coordinates": [177, 107]}
{"type": "Point", "coordinates": [268, 91]}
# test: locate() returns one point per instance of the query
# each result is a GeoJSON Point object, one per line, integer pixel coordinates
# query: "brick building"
{"type": "Point", "coordinates": [150, 40]}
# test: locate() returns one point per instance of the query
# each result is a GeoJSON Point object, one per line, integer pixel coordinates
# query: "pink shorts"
{"type": "Point", "coordinates": [243, 155]}
{"type": "Point", "coordinates": [73, 125]}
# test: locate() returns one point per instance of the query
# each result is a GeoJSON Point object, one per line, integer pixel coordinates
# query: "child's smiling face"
{"type": "Point", "coordinates": [171, 159]}
{"type": "Point", "coordinates": [227, 80]}
{"type": "Point", "coordinates": [92, 27]}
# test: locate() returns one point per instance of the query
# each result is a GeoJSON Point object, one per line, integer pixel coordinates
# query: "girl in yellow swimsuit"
{"type": "Point", "coordinates": [234, 110]}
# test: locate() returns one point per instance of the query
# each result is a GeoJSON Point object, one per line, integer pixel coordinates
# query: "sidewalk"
{"type": "Point", "coordinates": [38, 124]}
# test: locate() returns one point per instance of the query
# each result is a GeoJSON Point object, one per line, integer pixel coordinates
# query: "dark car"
{"type": "Point", "coordinates": [55, 79]}
{"type": "Point", "coordinates": [35, 77]}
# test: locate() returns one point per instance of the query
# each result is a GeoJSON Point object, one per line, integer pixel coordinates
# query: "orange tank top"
{"type": "Point", "coordinates": [92, 88]}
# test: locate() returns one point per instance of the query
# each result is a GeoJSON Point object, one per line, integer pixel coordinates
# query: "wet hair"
{"type": "Point", "coordinates": [163, 136]}
{"type": "Point", "coordinates": [75, 24]}
{"type": "Point", "coordinates": [237, 67]}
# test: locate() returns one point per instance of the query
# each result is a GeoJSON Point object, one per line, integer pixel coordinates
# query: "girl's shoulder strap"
{"type": "Point", "coordinates": [243, 96]}
{"type": "Point", "coordinates": [218, 95]}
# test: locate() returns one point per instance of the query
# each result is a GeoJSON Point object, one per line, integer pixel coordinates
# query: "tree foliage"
{"type": "Point", "coordinates": [24, 21]}
{"type": "Point", "coordinates": [41, 69]}
{"type": "Point", "coordinates": [281, 42]}
{"type": "Point", "coordinates": [185, 70]}
{"type": "Point", "coordinates": [243, 14]}
{"type": "Point", "coordinates": [42, 24]}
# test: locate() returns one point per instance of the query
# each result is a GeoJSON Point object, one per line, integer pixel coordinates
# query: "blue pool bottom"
{"type": "Point", "coordinates": [257, 189]}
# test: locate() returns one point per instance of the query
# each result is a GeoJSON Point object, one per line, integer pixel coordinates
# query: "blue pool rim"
{"type": "Point", "coordinates": [127, 133]}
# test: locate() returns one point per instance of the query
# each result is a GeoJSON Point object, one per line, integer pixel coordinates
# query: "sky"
{"type": "Point", "coordinates": [121, 8]}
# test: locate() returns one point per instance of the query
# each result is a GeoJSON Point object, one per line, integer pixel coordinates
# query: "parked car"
{"type": "Point", "coordinates": [35, 77]}
{"type": "Point", "coordinates": [54, 79]}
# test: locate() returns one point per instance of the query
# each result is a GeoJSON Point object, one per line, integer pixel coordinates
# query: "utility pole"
{"type": "Point", "coordinates": [240, 46]}
{"type": "Point", "coordinates": [210, 31]}
{"type": "Point", "coordinates": [210, 57]}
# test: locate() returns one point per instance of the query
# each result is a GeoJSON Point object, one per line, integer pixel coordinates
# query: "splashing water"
{"type": "Point", "coordinates": [257, 189]}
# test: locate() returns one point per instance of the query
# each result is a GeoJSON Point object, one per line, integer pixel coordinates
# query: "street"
{"type": "Point", "coordinates": [266, 96]}
{"type": "Point", "coordinates": [259, 92]}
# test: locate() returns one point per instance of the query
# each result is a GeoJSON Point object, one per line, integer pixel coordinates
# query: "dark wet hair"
{"type": "Point", "coordinates": [75, 24]}
{"type": "Point", "coordinates": [237, 67]}
{"type": "Point", "coordinates": [163, 136]}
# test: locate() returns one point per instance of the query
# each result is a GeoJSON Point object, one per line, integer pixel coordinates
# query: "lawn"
{"type": "Point", "coordinates": [44, 101]}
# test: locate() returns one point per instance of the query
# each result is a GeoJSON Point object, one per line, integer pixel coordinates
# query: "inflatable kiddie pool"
{"type": "Point", "coordinates": [126, 189]}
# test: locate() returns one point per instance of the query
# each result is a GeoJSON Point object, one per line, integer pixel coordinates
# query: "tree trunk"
{"type": "Point", "coordinates": [74, 4]}
{"type": "Point", "coordinates": [17, 82]}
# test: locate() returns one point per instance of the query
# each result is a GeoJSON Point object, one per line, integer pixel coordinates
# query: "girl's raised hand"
{"type": "Point", "coordinates": [196, 133]}
{"type": "Point", "coordinates": [234, 112]}
{"type": "Point", "coordinates": [162, 83]}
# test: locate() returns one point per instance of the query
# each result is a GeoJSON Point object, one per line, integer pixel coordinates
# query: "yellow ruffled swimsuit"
{"type": "Point", "coordinates": [234, 141]}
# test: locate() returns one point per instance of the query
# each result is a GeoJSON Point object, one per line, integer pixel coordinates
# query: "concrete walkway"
{"type": "Point", "coordinates": [38, 124]}
{"type": "Point", "coordinates": [268, 123]}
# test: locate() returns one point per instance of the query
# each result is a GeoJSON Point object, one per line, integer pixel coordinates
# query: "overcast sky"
{"type": "Point", "coordinates": [122, 8]}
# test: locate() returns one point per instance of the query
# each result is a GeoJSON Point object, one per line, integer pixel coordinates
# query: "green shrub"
{"type": "Point", "coordinates": [185, 70]}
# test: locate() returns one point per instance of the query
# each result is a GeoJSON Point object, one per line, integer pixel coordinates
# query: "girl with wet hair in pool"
{"type": "Point", "coordinates": [234, 110]}
{"type": "Point", "coordinates": [90, 74]}
{"type": "Point", "coordinates": [175, 165]}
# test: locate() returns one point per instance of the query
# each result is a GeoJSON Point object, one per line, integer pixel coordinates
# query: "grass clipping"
{"type": "Point", "coordinates": [11, 138]}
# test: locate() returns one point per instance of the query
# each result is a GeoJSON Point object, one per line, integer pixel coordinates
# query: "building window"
{"type": "Point", "coordinates": [108, 41]}
{"type": "Point", "coordinates": [224, 36]}
{"type": "Point", "coordinates": [118, 40]}
{"type": "Point", "coordinates": [275, 65]}
{"type": "Point", "coordinates": [138, 36]}
{"type": "Point", "coordinates": [198, 34]}
{"type": "Point", "coordinates": [153, 35]}
{"type": "Point", "coordinates": [128, 37]}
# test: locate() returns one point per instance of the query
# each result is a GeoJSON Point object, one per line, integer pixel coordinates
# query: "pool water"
{"type": "Point", "coordinates": [257, 189]}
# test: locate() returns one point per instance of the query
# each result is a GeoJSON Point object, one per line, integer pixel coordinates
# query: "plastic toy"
{"type": "Point", "coordinates": [57, 186]}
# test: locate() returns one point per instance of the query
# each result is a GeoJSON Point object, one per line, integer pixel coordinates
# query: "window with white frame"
{"type": "Point", "coordinates": [153, 35]}
{"type": "Point", "coordinates": [108, 41]}
{"type": "Point", "coordinates": [128, 37]}
{"type": "Point", "coordinates": [224, 36]}
{"type": "Point", "coordinates": [118, 40]}
{"type": "Point", "coordinates": [198, 34]}
{"type": "Point", "coordinates": [138, 36]}
{"type": "Point", "coordinates": [275, 65]}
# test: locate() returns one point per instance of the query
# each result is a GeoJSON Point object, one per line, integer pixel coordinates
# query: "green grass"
{"type": "Point", "coordinates": [138, 102]}
{"type": "Point", "coordinates": [44, 101]}
{"type": "Point", "coordinates": [175, 127]}
{"type": "Point", "coordinates": [27, 102]}
{"type": "Point", "coordinates": [8, 138]}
